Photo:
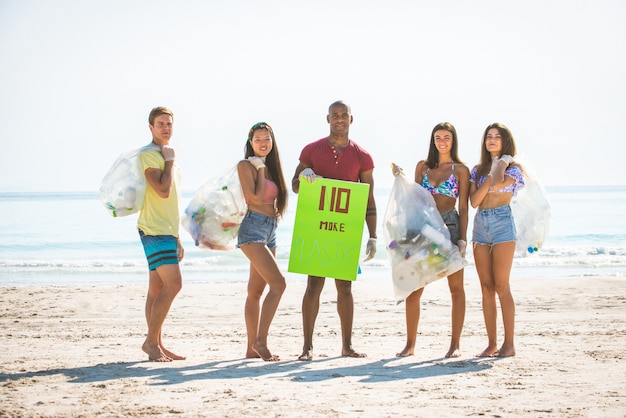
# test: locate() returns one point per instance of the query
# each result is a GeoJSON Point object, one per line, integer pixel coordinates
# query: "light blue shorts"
{"type": "Point", "coordinates": [257, 227]}
{"type": "Point", "coordinates": [494, 226]}
{"type": "Point", "coordinates": [159, 249]}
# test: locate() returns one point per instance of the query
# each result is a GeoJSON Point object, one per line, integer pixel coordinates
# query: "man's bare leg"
{"type": "Point", "coordinates": [154, 287]}
{"type": "Point", "coordinates": [168, 353]}
{"type": "Point", "coordinates": [345, 308]}
{"type": "Point", "coordinates": [165, 283]}
{"type": "Point", "coordinates": [310, 309]}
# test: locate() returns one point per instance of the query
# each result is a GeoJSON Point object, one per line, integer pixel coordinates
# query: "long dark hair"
{"type": "Point", "coordinates": [433, 153]}
{"type": "Point", "coordinates": [508, 147]}
{"type": "Point", "coordinates": [272, 162]}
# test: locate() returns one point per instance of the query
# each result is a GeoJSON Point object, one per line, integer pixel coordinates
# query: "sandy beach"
{"type": "Point", "coordinates": [75, 352]}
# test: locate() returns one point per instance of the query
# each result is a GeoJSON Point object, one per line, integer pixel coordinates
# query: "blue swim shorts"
{"type": "Point", "coordinates": [257, 227]}
{"type": "Point", "coordinates": [494, 226]}
{"type": "Point", "coordinates": [159, 249]}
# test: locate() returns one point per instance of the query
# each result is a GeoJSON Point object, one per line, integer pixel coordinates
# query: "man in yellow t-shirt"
{"type": "Point", "coordinates": [158, 228]}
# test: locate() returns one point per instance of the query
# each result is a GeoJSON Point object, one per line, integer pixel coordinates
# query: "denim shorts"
{"type": "Point", "coordinates": [494, 226]}
{"type": "Point", "coordinates": [451, 219]}
{"type": "Point", "coordinates": [257, 227]}
{"type": "Point", "coordinates": [159, 249]}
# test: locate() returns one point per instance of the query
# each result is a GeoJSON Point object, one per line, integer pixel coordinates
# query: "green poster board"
{"type": "Point", "coordinates": [328, 228]}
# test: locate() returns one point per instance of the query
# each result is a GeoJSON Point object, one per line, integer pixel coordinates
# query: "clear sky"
{"type": "Point", "coordinates": [78, 79]}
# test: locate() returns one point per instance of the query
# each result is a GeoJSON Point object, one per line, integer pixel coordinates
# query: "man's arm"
{"type": "Point", "coordinates": [295, 181]}
{"type": "Point", "coordinates": [370, 214]}
{"type": "Point", "coordinates": [161, 181]}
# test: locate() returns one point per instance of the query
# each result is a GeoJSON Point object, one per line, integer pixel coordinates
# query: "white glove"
{"type": "Point", "coordinates": [462, 244]}
{"type": "Point", "coordinates": [308, 174]}
{"type": "Point", "coordinates": [168, 153]}
{"type": "Point", "coordinates": [256, 162]}
{"type": "Point", "coordinates": [396, 169]}
{"type": "Point", "coordinates": [498, 167]}
{"type": "Point", "coordinates": [506, 158]}
{"type": "Point", "coordinates": [370, 249]}
{"type": "Point", "coordinates": [495, 163]}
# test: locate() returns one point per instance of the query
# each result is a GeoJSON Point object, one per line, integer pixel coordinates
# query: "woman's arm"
{"type": "Point", "coordinates": [252, 182]}
{"type": "Point", "coordinates": [464, 189]}
{"type": "Point", "coordinates": [478, 194]}
{"type": "Point", "coordinates": [419, 168]}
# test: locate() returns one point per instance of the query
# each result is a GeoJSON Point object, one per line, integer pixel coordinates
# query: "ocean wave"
{"type": "Point", "coordinates": [235, 261]}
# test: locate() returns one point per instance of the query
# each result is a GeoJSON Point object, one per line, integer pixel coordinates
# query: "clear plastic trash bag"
{"type": "Point", "coordinates": [417, 239]}
{"type": "Point", "coordinates": [124, 186]}
{"type": "Point", "coordinates": [214, 215]}
{"type": "Point", "coordinates": [532, 213]}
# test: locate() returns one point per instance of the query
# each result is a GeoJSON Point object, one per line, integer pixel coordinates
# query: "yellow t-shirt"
{"type": "Point", "coordinates": [159, 216]}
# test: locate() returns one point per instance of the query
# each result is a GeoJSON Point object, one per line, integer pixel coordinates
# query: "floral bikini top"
{"type": "Point", "coordinates": [512, 171]}
{"type": "Point", "coordinates": [449, 188]}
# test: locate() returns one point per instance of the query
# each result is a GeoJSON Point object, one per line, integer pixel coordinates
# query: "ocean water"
{"type": "Point", "coordinates": [69, 238]}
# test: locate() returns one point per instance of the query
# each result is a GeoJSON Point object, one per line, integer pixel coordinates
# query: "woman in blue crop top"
{"type": "Point", "coordinates": [264, 189]}
{"type": "Point", "coordinates": [493, 183]}
{"type": "Point", "coordinates": [447, 179]}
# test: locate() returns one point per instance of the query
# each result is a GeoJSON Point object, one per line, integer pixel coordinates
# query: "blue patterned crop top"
{"type": "Point", "coordinates": [512, 171]}
{"type": "Point", "coordinates": [449, 188]}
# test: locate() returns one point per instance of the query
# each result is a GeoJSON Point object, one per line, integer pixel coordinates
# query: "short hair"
{"type": "Point", "coordinates": [158, 111]}
{"type": "Point", "coordinates": [338, 103]}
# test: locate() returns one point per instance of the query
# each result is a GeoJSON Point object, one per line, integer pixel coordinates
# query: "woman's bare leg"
{"type": "Point", "coordinates": [412, 313]}
{"type": "Point", "coordinates": [483, 258]}
{"type": "Point", "coordinates": [268, 271]}
{"type": "Point", "coordinates": [457, 292]}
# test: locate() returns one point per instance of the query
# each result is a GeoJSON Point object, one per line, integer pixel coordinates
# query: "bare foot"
{"type": "Point", "coordinates": [351, 353]}
{"type": "Point", "coordinates": [264, 352]}
{"type": "Point", "coordinates": [453, 352]}
{"type": "Point", "coordinates": [154, 353]}
{"type": "Point", "coordinates": [488, 352]}
{"type": "Point", "coordinates": [406, 351]}
{"type": "Point", "coordinates": [250, 353]}
{"type": "Point", "coordinates": [506, 351]}
{"type": "Point", "coordinates": [171, 355]}
{"type": "Point", "coordinates": [307, 355]}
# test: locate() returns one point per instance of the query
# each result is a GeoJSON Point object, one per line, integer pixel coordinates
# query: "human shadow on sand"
{"type": "Point", "coordinates": [298, 371]}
